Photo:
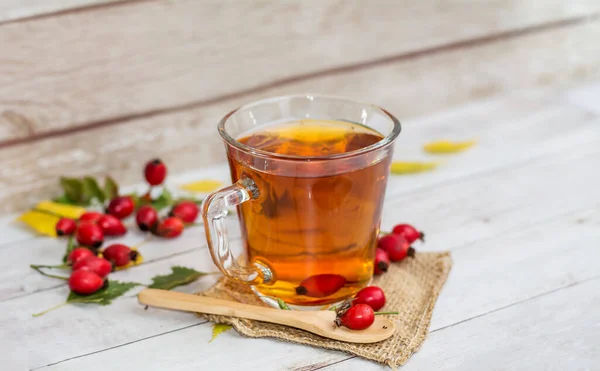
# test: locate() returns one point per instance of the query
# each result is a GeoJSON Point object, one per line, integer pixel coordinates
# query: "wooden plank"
{"type": "Point", "coordinates": [504, 140]}
{"type": "Point", "coordinates": [148, 57]}
{"type": "Point", "coordinates": [188, 140]}
{"type": "Point", "coordinates": [12, 10]}
{"type": "Point", "coordinates": [477, 206]}
{"type": "Point", "coordinates": [586, 97]}
{"type": "Point", "coordinates": [467, 206]}
{"type": "Point", "coordinates": [557, 331]}
{"type": "Point", "coordinates": [488, 277]}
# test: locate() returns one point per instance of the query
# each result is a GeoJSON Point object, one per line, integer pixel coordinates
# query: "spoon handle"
{"type": "Point", "coordinates": [317, 322]}
{"type": "Point", "coordinates": [202, 304]}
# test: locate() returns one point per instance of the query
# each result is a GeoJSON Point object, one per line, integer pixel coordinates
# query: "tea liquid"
{"type": "Point", "coordinates": [304, 226]}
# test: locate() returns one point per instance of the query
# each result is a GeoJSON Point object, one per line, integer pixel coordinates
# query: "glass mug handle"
{"type": "Point", "coordinates": [214, 213]}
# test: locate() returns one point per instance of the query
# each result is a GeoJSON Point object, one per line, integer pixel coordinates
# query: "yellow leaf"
{"type": "Point", "coordinates": [447, 147]}
{"type": "Point", "coordinates": [400, 167]}
{"type": "Point", "coordinates": [67, 211]}
{"type": "Point", "coordinates": [218, 329]}
{"type": "Point", "coordinates": [41, 222]}
{"type": "Point", "coordinates": [202, 186]}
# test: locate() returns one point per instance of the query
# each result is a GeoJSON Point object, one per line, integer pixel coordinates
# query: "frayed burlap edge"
{"type": "Point", "coordinates": [420, 279]}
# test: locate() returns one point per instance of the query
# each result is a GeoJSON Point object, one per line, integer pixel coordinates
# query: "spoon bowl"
{"type": "Point", "coordinates": [317, 322]}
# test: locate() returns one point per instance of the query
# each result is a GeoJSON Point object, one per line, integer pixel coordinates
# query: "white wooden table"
{"type": "Point", "coordinates": [520, 212]}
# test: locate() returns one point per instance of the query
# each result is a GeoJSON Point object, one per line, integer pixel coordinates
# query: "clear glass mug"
{"type": "Point", "coordinates": [309, 224]}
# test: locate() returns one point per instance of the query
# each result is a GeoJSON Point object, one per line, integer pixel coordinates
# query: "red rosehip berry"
{"type": "Point", "coordinates": [78, 254]}
{"type": "Point", "coordinates": [373, 296]}
{"type": "Point", "coordinates": [111, 226]}
{"type": "Point", "coordinates": [321, 285]}
{"type": "Point", "coordinates": [410, 233]}
{"type": "Point", "coordinates": [357, 317]}
{"type": "Point", "coordinates": [65, 227]}
{"type": "Point", "coordinates": [396, 247]}
{"type": "Point", "coordinates": [146, 218]}
{"type": "Point", "coordinates": [120, 207]}
{"type": "Point", "coordinates": [382, 261]}
{"type": "Point", "coordinates": [155, 172]}
{"type": "Point", "coordinates": [119, 254]}
{"type": "Point", "coordinates": [100, 266]}
{"type": "Point", "coordinates": [170, 227]}
{"type": "Point", "coordinates": [84, 282]}
{"type": "Point", "coordinates": [90, 217]}
{"type": "Point", "coordinates": [90, 235]}
{"type": "Point", "coordinates": [186, 211]}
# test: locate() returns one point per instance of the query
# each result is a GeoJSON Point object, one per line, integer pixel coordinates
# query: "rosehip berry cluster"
{"type": "Point", "coordinates": [91, 228]}
{"type": "Point", "coordinates": [396, 246]}
{"type": "Point", "coordinates": [91, 266]}
{"type": "Point", "coordinates": [170, 227]}
{"type": "Point", "coordinates": [147, 217]}
{"type": "Point", "coordinates": [89, 271]}
{"type": "Point", "coordinates": [359, 313]}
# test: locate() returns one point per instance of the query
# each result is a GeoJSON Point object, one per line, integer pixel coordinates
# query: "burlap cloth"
{"type": "Point", "coordinates": [411, 288]}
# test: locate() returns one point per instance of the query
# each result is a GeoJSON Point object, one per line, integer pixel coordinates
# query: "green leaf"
{"type": "Point", "coordinates": [164, 200]}
{"type": "Point", "coordinates": [104, 296]}
{"type": "Point", "coordinates": [63, 199]}
{"type": "Point", "coordinates": [283, 305]}
{"type": "Point", "coordinates": [191, 199]}
{"type": "Point", "coordinates": [137, 200]}
{"type": "Point", "coordinates": [178, 277]}
{"type": "Point", "coordinates": [71, 245]}
{"type": "Point", "coordinates": [218, 329]}
{"type": "Point", "coordinates": [91, 189]}
{"type": "Point", "coordinates": [111, 189]}
{"type": "Point", "coordinates": [73, 188]}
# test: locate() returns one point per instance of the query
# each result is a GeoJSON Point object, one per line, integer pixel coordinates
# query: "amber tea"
{"type": "Point", "coordinates": [316, 233]}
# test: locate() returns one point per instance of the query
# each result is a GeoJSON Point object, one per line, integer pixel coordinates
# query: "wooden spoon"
{"type": "Point", "coordinates": [317, 322]}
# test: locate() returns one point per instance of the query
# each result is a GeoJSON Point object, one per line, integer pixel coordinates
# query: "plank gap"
{"type": "Point", "coordinates": [73, 10]}
{"type": "Point", "coordinates": [121, 345]}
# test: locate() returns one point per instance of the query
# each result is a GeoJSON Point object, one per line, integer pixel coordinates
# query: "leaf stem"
{"type": "Point", "coordinates": [380, 313]}
{"type": "Point", "coordinates": [282, 305]}
{"type": "Point", "coordinates": [49, 310]}
{"type": "Point", "coordinates": [37, 268]}
{"type": "Point", "coordinates": [70, 247]}
{"type": "Point", "coordinates": [62, 266]}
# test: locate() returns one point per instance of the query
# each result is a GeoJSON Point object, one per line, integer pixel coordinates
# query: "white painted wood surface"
{"type": "Point", "coordinates": [161, 84]}
{"type": "Point", "coordinates": [520, 212]}
{"type": "Point", "coordinates": [161, 54]}
{"type": "Point", "coordinates": [28, 172]}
